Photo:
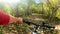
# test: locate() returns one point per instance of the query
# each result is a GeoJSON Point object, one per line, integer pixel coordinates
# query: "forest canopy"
{"type": "Point", "coordinates": [50, 8]}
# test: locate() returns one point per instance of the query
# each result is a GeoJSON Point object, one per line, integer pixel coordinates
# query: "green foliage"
{"type": "Point", "coordinates": [7, 9]}
{"type": "Point", "coordinates": [58, 13]}
{"type": "Point", "coordinates": [50, 9]}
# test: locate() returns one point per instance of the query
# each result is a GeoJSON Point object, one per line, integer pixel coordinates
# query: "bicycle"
{"type": "Point", "coordinates": [42, 25]}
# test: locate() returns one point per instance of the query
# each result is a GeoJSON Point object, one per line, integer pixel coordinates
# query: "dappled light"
{"type": "Point", "coordinates": [57, 27]}
{"type": "Point", "coordinates": [37, 16]}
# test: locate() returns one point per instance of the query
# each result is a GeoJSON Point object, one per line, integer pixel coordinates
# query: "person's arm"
{"type": "Point", "coordinates": [7, 19]}
{"type": "Point", "coordinates": [15, 19]}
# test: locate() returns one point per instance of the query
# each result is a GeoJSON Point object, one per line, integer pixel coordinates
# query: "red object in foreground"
{"type": "Point", "coordinates": [4, 18]}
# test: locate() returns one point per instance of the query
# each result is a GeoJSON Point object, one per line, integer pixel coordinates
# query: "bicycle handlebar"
{"type": "Point", "coordinates": [42, 25]}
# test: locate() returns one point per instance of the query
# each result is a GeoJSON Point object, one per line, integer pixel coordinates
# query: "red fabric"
{"type": "Point", "coordinates": [4, 18]}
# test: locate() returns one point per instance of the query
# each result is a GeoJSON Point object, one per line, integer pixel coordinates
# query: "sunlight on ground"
{"type": "Point", "coordinates": [57, 27]}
